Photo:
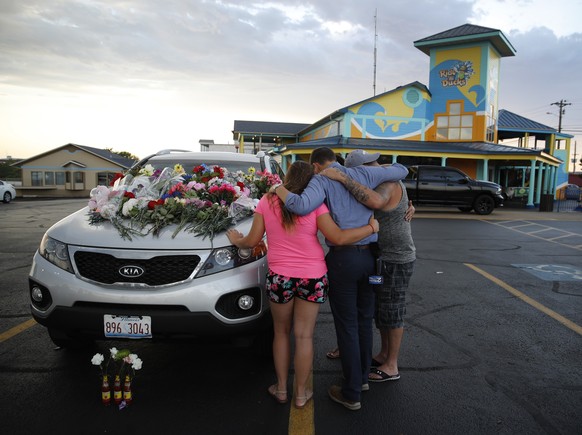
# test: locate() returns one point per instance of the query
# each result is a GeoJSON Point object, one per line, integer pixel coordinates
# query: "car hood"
{"type": "Point", "coordinates": [76, 229]}
{"type": "Point", "coordinates": [489, 184]}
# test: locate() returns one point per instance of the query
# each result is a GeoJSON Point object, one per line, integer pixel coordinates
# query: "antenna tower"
{"type": "Point", "coordinates": [375, 50]}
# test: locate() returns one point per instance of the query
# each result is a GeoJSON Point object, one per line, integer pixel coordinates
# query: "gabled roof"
{"type": "Point", "coordinates": [74, 163]}
{"type": "Point", "coordinates": [108, 155]}
{"type": "Point", "coordinates": [509, 122]}
{"type": "Point", "coordinates": [338, 113]}
{"type": "Point", "coordinates": [467, 33]}
{"type": "Point", "coordinates": [105, 154]}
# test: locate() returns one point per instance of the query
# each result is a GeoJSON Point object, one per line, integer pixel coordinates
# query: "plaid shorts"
{"type": "Point", "coordinates": [391, 295]}
{"type": "Point", "coordinates": [281, 289]}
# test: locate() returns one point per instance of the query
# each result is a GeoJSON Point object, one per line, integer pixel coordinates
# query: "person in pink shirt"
{"type": "Point", "coordinates": [297, 281]}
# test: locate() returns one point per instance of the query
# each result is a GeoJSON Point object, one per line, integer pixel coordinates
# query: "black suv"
{"type": "Point", "coordinates": [447, 186]}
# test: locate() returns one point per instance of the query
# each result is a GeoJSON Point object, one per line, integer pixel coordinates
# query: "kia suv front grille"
{"type": "Point", "coordinates": [160, 270]}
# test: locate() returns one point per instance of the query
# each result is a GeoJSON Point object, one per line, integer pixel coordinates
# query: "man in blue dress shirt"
{"type": "Point", "coordinates": [349, 267]}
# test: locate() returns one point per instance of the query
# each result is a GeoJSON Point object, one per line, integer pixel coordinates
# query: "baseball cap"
{"type": "Point", "coordinates": [360, 157]}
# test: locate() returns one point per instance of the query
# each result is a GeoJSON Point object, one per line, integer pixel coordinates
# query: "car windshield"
{"type": "Point", "coordinates": [189, 164]}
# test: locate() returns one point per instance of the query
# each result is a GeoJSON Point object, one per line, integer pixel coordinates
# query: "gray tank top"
{"type": "Point", "coordinates": [395, 236]}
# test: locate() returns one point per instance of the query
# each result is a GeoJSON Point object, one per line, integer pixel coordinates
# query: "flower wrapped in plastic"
{"type": "Point", "coordinates": [204, 202]}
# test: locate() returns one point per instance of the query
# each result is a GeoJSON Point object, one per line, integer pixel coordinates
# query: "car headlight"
{"type": "Point", "coordinates": [56, 252]}
{"type": "Point", "coordinates": [229, 257]}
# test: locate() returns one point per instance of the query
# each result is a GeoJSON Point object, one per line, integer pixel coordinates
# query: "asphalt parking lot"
{"type": "Point", "coordinates": [493, 344]}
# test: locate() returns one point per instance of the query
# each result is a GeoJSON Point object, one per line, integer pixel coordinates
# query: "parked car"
{"type": "Point", "coordinates": [87, 282]}
{"type": "Point", "coordinates": [448, 186]}
{"type": "Point", "coordinates": [572, 191]}
{"type": "Point", "coordinates": [7, 192]}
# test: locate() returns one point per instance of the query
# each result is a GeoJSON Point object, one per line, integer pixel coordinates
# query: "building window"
{"type": "Point", "coordinates": [105, 178]}
{"type": "Point", "coordinates": [491, 124]}
{"type": "Point", "coordinates": [49, 178]}
{"type": "Point", "coordinates": [456, 125]}
{"type": "Point", "coordinates": [60, 178]}
{"type": "Point", "coordinates": [36, 178]}
{"type": "Point", "coordinates": [79, 177]}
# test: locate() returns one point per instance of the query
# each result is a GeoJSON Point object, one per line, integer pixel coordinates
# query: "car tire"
{"type": "Point", "coordinates": [483, 205]}
{"type": "Point", "coordinates": [465, 209]}
{"type": "Point", "coordinates": [6, 198]}
{"type": "Point", "coordinates": [63, 340]}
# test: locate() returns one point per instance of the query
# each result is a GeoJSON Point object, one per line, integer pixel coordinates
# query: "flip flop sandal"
{"type": "Point", "coordinates": [278, 395]}
{"type": "Point", "coordinates": [333, 354]}
{"type": "Point", "coordinates": [383, 376]}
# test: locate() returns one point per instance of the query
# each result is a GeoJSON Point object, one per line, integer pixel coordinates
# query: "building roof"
{"type": "Point", "coordinates": [443, 148]}
{"type": "Point", "coordinates": [343, 110]}
{"type": "Point", "coordinates": [511, 125]}
{"type": "Point", "coordinates": [467, 33]}
{"type": "Point", "coordinates": [264, 128]}
{"type": "Point", "coordinates": [105, 154]}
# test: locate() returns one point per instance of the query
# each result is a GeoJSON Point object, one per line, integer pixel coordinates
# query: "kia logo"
{"type": "Point", "coordinates": [131, 271]}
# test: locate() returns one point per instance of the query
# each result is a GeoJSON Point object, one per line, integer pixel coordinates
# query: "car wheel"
{"type": "Point", "coordinates": [63, 340]}
{"type": "Point", "coordinates": [465, 209]}
{"type": "Point", "coordinates": [7, 197]}
{"type": "Point", "coordinates": [484, 204]}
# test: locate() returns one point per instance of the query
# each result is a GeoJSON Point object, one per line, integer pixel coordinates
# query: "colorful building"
{"type": "Point", "coordinates": [455, 121]}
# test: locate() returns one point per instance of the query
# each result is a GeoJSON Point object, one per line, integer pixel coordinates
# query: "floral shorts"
{"type": "Point", "coordinates": [281, 289]}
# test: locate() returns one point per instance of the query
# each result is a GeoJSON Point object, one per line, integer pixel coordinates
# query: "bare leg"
{"type": "Point", "coordinates": [305, 317]}
{"type": "Point", "coordinates": [391, 340]}
{"type": "Point", "coordinates": [282, 317]}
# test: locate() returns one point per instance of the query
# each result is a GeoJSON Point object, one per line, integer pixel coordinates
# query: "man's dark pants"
{"type": "Point", "coordinates": [351, 298]}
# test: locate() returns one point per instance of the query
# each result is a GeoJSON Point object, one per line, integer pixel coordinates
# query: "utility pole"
{"type": "Point", "coordinates": [375, 43]}
{"type": "Point", "coordinates": [562, 105]}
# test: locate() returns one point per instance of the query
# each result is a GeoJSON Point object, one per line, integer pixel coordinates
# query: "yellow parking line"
{"type": "Point", "coordinates": [301, 421]}
{"type": "Point", "coordinates": [17, 330]}
{"type": "Point", "coordinates": [564, 321]}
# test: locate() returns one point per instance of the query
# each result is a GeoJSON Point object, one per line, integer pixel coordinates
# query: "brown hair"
{"type": "Point", "coordinates": [296, 181]}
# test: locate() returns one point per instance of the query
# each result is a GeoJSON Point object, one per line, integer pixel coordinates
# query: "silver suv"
{"type": "Point", "coordinates": [87, 282]}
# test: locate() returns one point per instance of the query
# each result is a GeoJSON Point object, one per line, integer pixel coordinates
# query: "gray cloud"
{"type": "Point", "coordinates": [255, 52]}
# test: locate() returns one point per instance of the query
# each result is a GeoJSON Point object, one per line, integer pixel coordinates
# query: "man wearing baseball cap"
{"type": "Point", "coordinates": [349, 267]}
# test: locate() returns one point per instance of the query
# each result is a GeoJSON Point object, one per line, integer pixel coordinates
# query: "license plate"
{"type": "Point", "coordinates": [127, 326]}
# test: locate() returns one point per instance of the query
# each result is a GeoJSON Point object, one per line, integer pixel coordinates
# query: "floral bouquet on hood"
{"type": "Point", "coordinates": [203, 202]}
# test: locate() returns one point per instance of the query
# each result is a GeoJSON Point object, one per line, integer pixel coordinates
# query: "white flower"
{"type": "Point", "coordinates": [113, 352]}
{"type": "Point", "coordinates": [132, 357]}
{"type": "Point", "coordinates": [147, 170]}
{"type": "Point", "coordinates": [128, 206]}
{"type": "Point", "coordinates": [109, 210]}
{"type": "Point", "coordinates": [97, 359]}
{"type": "Point", "coordinates": [136, 363]}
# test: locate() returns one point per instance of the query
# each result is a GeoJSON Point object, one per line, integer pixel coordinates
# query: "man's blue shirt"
{"type": "Point", "coordinates": [345, 210]}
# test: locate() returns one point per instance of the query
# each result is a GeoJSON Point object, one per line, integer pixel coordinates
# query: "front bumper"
{"type": "Point", "coordinates": [199, 307]}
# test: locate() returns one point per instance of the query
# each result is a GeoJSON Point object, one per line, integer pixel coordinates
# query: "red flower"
{"type": "Point", "coordinates": [129, 195]}
{"type": "Point", "coordinates": [218, 170]}
{"type": "Point", "coordinates": [154, 204]}
{"type": "Point", "coordinates": [116, 177]}
{"type": "Point", "coordinates": [240, 184]}
{"type": "Point", "coordinates": [198, 169]}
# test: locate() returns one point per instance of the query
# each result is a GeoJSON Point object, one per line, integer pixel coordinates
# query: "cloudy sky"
{"type": "Point", "coordinates": [143, 75]}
